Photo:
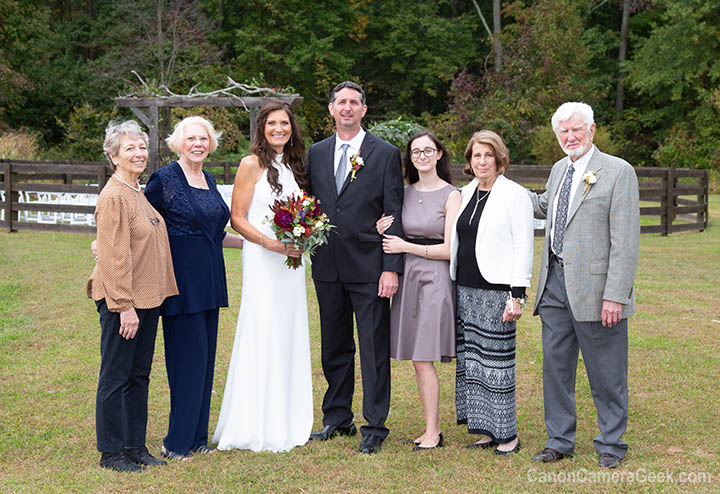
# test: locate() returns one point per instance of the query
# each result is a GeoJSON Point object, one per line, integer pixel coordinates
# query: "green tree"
{"type": "Point", "coordinates": [677, 71]}
{"type": "Point", "coordinates": [547, 60]}
{"type": "Point", "coordinates": [405, 57]}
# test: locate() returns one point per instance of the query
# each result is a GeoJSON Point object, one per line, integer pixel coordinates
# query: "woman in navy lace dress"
{"type": "Point", "coordinates": [196, 214]}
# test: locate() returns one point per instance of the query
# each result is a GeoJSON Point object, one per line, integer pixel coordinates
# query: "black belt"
{"type": "Point", "coordinates": [558, 260]}
{"type": "Point", "coordinates": [425, 241]}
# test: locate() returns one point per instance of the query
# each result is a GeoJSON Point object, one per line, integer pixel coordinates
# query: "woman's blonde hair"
{"type": "Point", "coordinates": [175, 140]}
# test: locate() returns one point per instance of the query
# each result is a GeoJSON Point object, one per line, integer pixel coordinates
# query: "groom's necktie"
{"type": "Point", "coordinates": [341, 172]}
{"type": "Point", "coordinates": [562, 211]}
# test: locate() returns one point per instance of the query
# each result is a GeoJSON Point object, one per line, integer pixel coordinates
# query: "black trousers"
{"type": "Point", "coordinates": [122, 395]}
{"type": "Point", "coordinates": [338, 302]}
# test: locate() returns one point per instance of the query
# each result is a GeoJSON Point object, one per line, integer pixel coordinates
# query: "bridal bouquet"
{"type": "Point", "coordinates": [298, 220]}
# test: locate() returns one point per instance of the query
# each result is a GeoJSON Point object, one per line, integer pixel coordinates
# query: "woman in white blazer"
{"type": "Point", "coordinates": [491, 254]}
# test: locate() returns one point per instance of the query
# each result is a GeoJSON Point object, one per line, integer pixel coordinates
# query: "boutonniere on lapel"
{"type": "Point", "coordinates": [356, 162]}
{"type": "Point", "coordinates": [589, 178]}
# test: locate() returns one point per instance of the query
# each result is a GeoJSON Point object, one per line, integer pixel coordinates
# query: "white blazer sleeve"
{"type": "Point", "coordinates": [521, 224]}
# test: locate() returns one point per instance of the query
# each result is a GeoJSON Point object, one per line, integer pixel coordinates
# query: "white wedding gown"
{"type": "Point", "coordinates": [267, 405]}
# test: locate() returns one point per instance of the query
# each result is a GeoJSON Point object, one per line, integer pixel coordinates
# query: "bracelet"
{"type": "Point", "coordinates": [261, 240]}
{"type": "Point", "coordinates": [426, 247]}
{"type": "Point", "coordinates": [519, 300]}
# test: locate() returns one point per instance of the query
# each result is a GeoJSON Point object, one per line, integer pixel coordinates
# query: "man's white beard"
{"type": "Point", "coordinates": [573, 153]}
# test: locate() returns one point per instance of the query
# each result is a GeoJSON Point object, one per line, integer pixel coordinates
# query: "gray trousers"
{"type": "Point", "coordinates": [605, 353]}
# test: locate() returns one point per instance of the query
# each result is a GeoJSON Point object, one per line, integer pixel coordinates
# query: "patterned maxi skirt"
{"type": "Point", "coordinates": [485, 381]}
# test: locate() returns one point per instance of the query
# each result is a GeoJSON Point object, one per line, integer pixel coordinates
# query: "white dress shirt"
{"type": "Point", "coordinates": [354, 145]}
{"type": "Point", "coordinates": [579, 166]}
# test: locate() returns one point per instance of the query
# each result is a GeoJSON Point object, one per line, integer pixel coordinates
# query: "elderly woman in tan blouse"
{"type": "Point", "coordinates": [132, 277]}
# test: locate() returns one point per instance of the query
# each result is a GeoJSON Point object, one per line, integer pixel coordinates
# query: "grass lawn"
{"type": "Point", "coordinates": [49, 361]}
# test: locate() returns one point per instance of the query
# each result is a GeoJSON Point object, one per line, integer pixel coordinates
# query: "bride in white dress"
{"type": "Point", "coordinates": [267, 404]}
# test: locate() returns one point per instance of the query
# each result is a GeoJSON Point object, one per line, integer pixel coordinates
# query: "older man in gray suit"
{"type": "Point", "coordinates": [585, 292]}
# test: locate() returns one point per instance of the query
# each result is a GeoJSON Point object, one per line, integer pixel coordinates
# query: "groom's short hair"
{"type": "Point", "coordinates": [348, 84]}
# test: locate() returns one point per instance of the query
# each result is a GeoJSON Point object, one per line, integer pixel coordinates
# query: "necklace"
{"type": "Point", "coordinates": [420, 200]}
{"type": "Point", "coordinates": [153, 220]}
{"type": "Point", "coordinates": [477, 201]}
{"type": "Point", "coordinates": [117, 177]}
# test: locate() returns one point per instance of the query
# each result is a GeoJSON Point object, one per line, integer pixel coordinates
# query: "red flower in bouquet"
{"type": "Point", "coordinates": [299, 220]}
{"type": "Point", "coordinates": [283, 219]}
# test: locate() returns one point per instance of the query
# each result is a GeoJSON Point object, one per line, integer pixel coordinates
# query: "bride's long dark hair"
{"type": "Point", "coordinates": [293, 151]}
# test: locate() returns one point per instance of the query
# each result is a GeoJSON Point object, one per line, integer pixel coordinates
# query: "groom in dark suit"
{"type": "Point", "coordinates": [357, 177]}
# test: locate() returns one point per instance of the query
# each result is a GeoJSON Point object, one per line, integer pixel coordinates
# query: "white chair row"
{"type": "Point", "coordinates": [90, 200]}
{"type": "Point", "coordinates": [56, 217]}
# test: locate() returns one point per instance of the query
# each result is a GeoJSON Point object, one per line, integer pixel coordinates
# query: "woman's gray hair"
{"type": "Point", "coordinates": [117, 129]}
{"type": "Point", "coordinates": [568, 110]}
{"type": "Point", "coordinates": [175, 140]}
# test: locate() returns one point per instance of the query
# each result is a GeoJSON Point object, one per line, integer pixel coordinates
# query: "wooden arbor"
{"type": "Point", "coordinates": [151, 119]}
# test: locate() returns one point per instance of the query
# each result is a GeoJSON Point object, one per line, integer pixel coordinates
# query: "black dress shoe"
{"type": "Point", "coordinates": [330, 431]}
{"type": "Point", "coordinates": [142, 456]}
{"type": "Point", "coordinates": [439, 444]}
{"type": "Point", "coordinates": [609, 460]}
{"type": "Point", "coordinates": [119, 462]}
{"type": "Point", "coordinates": [509, 452]}
{"type": "Point", "coordinates": [370, 444]}
{"type": "Point", "coordinates": [549, 455]}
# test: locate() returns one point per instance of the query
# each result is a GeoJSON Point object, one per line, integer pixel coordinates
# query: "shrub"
{"type": "Point", "coordinates": [685, 147]}
{"type": "Point", "coordinates": [84, 132]}
{"type": "Point", "coordinates": [20, 145]}
{"type": "Point", "coordinates": [396, 131]}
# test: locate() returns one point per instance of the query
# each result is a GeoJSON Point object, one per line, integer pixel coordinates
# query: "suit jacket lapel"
{"type": "Point", "coordinates": [592, 166]}
{"type": "Point", "coordinates": [329, 165]}
{"type": "Point", "coordinates": [366, 149]}
{"type": "Point", "coordinates": [553, 191]}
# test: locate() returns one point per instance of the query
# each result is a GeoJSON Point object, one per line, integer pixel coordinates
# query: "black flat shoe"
{"type": "Point", "coordinates": [439, 444]}
{"type": "Point", "coordinates": [142, 456]}
{"type": "Point", "coordinates": [489, 444]}
{"type": "Point", "coordinates": [370, 444]}
{"type": "Point", "coordinates": [119, 462]}
{"type": "Point", "coordinates": [330, 431]}
{"type": "Point", "coordinates": [510, 452]}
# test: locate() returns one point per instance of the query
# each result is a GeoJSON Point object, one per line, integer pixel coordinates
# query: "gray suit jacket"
{"type": "Point", "coordinates": [602, 236]}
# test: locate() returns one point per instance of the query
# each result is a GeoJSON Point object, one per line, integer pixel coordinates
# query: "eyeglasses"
{"type": "Point", "coordinates": [427, 152]}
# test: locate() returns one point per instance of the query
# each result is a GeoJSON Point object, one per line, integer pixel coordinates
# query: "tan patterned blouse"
{"type": "Point", "coordinates": [134, 265]}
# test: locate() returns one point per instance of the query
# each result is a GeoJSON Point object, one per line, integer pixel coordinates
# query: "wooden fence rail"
{"type": "Point", "coordinates": [676, 198]}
